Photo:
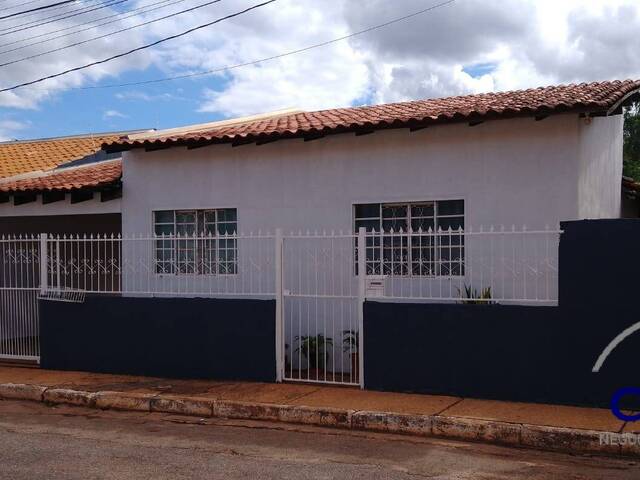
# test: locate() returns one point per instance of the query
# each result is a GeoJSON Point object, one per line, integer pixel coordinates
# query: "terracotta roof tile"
{"type": "Point", "coordinates": [66, 179]}
{"type": "Point", "coordinates": [596, 97]}
{"type": "Point", "coordinates": [40, 155]}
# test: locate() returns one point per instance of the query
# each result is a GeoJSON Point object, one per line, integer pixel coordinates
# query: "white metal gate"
{"type": "Point", "coordinates": [19, 290]}
{"type": "Point", "coordinates": [321, 309]}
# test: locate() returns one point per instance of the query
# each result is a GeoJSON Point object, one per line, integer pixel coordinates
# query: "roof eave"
{"type": "Point", "coordinates": [413, 123]}
{"type": "Point", "coordinates": [96, 188]}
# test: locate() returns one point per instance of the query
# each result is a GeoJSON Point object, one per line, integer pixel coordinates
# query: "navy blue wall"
{"type": "Point", "coordinates": [522, 353]}
{"type": "Point", "coordinates": [166, 337]}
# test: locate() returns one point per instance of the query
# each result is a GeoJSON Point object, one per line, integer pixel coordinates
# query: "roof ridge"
{"type": "Point", "coordinates": [480, 94]}
{"type": "Point", "coordinates": [69, 137]}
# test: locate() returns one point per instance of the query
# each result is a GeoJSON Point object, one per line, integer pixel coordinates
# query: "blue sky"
{"type": "Point", "coordinates": [162, 105]}
{"type": "Point", "coordinates": [468, 46]}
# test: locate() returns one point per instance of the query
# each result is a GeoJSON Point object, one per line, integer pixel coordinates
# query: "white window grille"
{"type": "Point", "coordinates": [196, 241]}
{"type": "Point", "coordinates": [413, 238]}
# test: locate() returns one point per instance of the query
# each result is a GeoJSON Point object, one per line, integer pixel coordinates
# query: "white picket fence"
{"type": "Point", "coordinates": [313, 276]}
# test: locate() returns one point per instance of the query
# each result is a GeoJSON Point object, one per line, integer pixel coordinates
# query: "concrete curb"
{"type": "Point", "coordinates": [69, 397]}
{"type": "Point", "coordinates": [137, 402]}
{"type": "Point", "coordinates": [195, 407]}
{"type": "Point", "coordinates": [16, 391]}
{"type": "Point", "coordinates": [539, 437]}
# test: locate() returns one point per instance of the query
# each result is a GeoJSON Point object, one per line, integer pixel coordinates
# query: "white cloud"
{"type": "Point", "coordinates": [142, 96]}
{"type": "Point", "coordinates": [526, 42]}
{"type": "Point", "coordinates": [9, 127]}
{"type": "Point", "coordinates": [529, 43]}
{"type": "Point", "coordinates": [113, 114]}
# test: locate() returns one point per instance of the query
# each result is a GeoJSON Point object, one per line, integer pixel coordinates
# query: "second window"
{"type": "Point", "coordinates": [413, 238]}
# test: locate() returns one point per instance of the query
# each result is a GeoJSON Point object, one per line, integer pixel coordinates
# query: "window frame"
{"type": "Point", "coordinates": [217, 237]}
{"type": "Point", "coordinates": [438, 261]}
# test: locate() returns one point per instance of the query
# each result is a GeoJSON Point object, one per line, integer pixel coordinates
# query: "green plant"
{"type": "Point", "coordinates": [315, 349]}
{"type": "Point", "coordinates": [350, 341]}
{"type": "Point", "coordinates": [471, 296]}
{"type": "Point", "coordinates": [350, 345]}
{"type": "Point", "coordinates": [631, 136]}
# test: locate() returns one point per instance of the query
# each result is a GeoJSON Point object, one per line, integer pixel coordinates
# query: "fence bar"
{"type": "Point", "coordinates": [362, 275]}
{"type": "Point", "coordinates": [43, 263]}
{"type": "Point", "coordinates": [279, 306]}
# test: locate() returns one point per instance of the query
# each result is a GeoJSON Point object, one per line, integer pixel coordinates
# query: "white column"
{"type": "Point", "coordinates": [279, 306]}
{"type": "Point", "coordinates": [362, 275]}
{"type": "Point", "coordinates": [43, 263]}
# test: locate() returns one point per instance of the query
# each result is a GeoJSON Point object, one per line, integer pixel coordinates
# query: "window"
{"type": "Point", "coordinates": [429, 243]}
{"type": "Point", "coordinates": [196, 244]}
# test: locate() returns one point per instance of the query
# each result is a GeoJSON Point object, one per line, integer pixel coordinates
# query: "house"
{"type": "Point", "coordinates": [65, 185]}
{"type": "Point", "coordinates": [523, 160]}
{"type": "Point", "coordinates": [440, 201]}
{"type": "Point", "coordinates": [531, 157]}
{"type": "Point", "coordinates": [460, 198]}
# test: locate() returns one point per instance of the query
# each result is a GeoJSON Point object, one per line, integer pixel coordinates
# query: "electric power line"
{"type": "Point", "coordinates": [143, 47]}
{"type": "Point", "coordinates": [43, 7]}
{"type": "Point", "coordinates": [60, 7]}
{"type": "Point", "coordinates": [19, 5]}
{"type": "Point", "coordinates": [133, 12]}
{"type": "Point", "coordinates": [82, 42]}
{"type": "Point", "coordinates": [266, 59]}
{"type": "Point", "coordinates": [30, 25]}
{"type": "Point", "coordinates": [7, 21]}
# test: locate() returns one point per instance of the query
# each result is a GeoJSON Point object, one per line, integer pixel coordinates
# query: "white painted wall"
{"type": "Point", "coordinates": [508, 172]}
{"type": "Point", "coordinates": [600, 172]}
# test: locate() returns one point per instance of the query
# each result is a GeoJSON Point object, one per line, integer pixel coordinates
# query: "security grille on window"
{"type": "Point", "coordinates": [196, 244]}
{"type": "Point", "coordinates": [413, 239]}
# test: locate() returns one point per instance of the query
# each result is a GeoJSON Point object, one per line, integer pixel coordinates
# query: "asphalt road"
{"type": "Point", "coordinates": [65, 442]}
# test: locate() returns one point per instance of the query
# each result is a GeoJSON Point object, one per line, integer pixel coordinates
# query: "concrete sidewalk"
{"type": "Point", "coordinates": [549, 427]}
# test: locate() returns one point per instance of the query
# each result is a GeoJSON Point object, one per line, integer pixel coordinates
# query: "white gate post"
{"type": "Point", "coordinates": [362, 275]}
{"type": "Point", "coordinates": [279, 306]}
{"type": "Point", "coordinates": [43, 263]}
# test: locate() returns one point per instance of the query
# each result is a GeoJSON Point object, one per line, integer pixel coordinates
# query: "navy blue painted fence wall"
{"type": "Point", "coordinates": [166, 337]}
{"type": "Point", "coordinates": [542, 354]}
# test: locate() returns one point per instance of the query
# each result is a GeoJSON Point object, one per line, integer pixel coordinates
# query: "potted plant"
{"type": "Point", "coordinates": [471, 296]}
{"type": "Point", "coordinates": [351, 345]}
{"type": "Point", "coordinates": [287, 362]}
{"type": "Point", "coordinates": [315, 349]}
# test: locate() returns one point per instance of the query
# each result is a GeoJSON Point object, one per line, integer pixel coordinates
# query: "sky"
{"type": "Point", "coordinates": [464, 46]}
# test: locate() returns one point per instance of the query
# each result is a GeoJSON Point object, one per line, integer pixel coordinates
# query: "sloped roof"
{"type": "Point", "coordinates": [91, 175]}
{"type": "Point", "coordinates": [593, 98]}
{"type": "Point", "coordinates": [40, 155]}
{"type": "Point", "coordinates": [62, 163]}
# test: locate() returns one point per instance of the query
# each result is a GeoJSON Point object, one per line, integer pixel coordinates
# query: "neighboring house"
{"type": "Point", "coordinates": [64, 185]}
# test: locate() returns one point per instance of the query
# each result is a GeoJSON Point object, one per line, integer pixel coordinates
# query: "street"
{"type": "Point", "coordinates": [67, 442]}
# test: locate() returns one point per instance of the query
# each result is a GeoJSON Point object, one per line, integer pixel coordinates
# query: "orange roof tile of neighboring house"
{"type": "Point", "coordinates": [592, 98]}
{"type": "Point", "coordinates": [91, 175]}
{"type": "Point", "coordinates": [40, 155]}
